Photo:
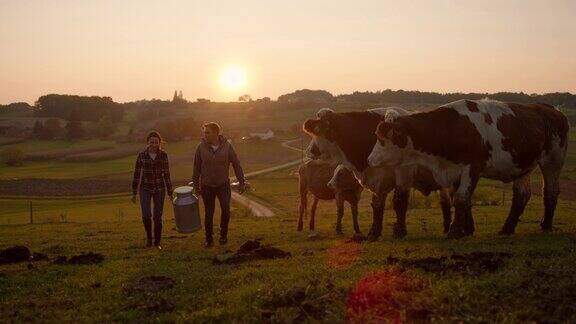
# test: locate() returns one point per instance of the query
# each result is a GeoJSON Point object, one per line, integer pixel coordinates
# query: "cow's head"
{"type": "Point", "coordinates": [323, 144]}
{"type": "Point", "coordinates": [392, 140]}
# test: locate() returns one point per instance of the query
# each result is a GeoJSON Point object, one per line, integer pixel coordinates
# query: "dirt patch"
{"type": "Point", "coordinates": [251, 251]}
{"type": "Point", "coordinates": [36, 256]}
{"type": "Point", "coordinates": [150, 285]}
{"type": "Point", "coordinates": [159, 306]}
{"type": "Point", "coordinates": [475, 263]}
{"type": "Point", "coordinates": [389, 296]}
{"type": "Point", "coordinates": [15, 254]}
{"type": "Point", "coordinates": [85, 258]}
{"type": "Point", "coordinates": [301, 303]}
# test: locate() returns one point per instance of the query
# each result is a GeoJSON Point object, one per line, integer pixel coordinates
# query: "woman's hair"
{"type": "Point", "coordinates": [213, 126]}
{"type": "Point", "coordinates": [153, 134]}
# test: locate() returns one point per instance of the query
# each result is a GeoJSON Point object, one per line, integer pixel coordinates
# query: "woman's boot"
{"type": "Point", "coordinates": [148, 228]}
{"type": "Point", "coordinates": [157, 233]}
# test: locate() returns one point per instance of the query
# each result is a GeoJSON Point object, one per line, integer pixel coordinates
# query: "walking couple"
{"type": "Point", "coordinates": [210, 179]}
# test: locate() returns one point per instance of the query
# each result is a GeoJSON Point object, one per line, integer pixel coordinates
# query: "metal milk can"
{"type": "Point", "coordinates": [186, 210]}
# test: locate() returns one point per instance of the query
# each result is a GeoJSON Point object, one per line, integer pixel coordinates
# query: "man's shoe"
{"type": "Point", "coordinates": [208, 244]}
{"type": "Point", "coordinates": [223, 241]}
{"type": "Point", "coordinates": [148, 243]}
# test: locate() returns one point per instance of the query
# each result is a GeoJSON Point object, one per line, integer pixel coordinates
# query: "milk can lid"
{"type": "Point", "coordinates": [183, 190]}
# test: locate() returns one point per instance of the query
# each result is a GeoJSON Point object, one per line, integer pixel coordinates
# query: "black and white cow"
{"type": "Point", "coordinates": [347, 139]}
{"type": "Point", "coordinates": [468, 139]}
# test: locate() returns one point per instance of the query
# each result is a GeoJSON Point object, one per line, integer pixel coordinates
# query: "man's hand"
{"type": "Point", "coordinates": [133, 198]}
{"type": "Point", "coordinates": [171, 196]}
{"type": "Point", "coordinates": [197, 192]}
{"type": "Point", "coordinates": [241, 188]}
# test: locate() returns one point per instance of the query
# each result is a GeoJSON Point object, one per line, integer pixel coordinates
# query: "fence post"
{"type": "Point", "coordinates": [31, 213]}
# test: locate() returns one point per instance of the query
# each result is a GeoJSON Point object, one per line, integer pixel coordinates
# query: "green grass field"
{"type": "Point", "coordinates": [254, 156]}
{"type": "Point", "coordinates": [535, 283]}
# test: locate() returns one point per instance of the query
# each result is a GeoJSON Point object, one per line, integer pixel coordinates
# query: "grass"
{"type": "Point", "coordinates": [541, 266]}
{"type": "Point", "coordinates": [253, 155]}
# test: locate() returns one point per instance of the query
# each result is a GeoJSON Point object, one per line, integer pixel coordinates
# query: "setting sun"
{"type": "Point", "coordinates": [233, 78]}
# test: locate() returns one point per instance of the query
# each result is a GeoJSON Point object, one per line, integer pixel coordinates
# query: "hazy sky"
{"type": "Point", "coordinates": [146, 49]}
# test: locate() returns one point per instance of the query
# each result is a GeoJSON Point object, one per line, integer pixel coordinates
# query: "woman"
{"type": "Point", "coordinates": [152, 180]}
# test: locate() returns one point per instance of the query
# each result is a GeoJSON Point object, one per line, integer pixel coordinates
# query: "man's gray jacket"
{"type": "Point", "coordinates": [211, 167]}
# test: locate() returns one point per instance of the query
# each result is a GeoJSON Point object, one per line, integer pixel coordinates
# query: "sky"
{"type": "Point", "coordinates": [144, 49]}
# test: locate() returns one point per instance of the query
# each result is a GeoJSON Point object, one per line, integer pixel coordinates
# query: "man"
{"type": "Point", "coordinates": [211, 164]}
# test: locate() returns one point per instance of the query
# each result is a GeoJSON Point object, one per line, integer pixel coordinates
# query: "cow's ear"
{"type": "Point", "coordinates": [312, 126]}
{"type": "Point", "coordinates": [324, 112]}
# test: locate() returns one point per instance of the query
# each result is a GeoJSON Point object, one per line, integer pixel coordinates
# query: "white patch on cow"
{"type": "Point", "coordinates": [445, 172]}
{"type": "Point", "coordinates": [323, 112]}
{"type": "Point", "coordinates": [500, 164]}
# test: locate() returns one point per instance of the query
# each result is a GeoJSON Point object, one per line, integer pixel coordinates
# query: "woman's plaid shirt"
{"type": "Point", "coordinates": [155, 172]}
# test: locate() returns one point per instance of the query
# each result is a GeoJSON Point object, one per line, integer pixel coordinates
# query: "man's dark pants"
{"type": "Point", "coordinates": [209, 195]}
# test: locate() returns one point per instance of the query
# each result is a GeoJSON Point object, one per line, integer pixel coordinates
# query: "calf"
{"type": "Point", "coordinates": [324, 183]}
{"type": "Point", "coordinates": [347, 139]}
{"type": "Point", "coordinates": [468, 139]}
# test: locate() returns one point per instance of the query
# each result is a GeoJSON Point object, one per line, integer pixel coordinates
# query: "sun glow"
{"type": "Point", "coordinates": [233, 78]}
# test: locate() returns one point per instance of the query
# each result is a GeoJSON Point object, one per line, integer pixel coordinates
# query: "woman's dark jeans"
{"type": "Point", "coordinates": [146, 198]}
{"type": "Point", "coordinates": [209, 195]}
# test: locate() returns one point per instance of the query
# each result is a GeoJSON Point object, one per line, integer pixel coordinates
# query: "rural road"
{"type": "Point", "coordinates": [255, 207]}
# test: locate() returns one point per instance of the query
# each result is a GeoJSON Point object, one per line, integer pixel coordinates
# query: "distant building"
{"type": "Point", "coordinates": [263, 135]}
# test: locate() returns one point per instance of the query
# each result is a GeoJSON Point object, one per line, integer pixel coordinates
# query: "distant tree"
{"type": "Point", "coordinates": [88, 108]}
{"type": "Point", "coordinates": [105, 127]}
{"type": "Point", "coordinates": [38, 129]}
{"type": "Point", "coordinates": [52, 129]}
{"type": "Point", "coordinates": [175, 98]}
{"type": "Point", "coordinates": [74, 129]}
{"type": "Point", "coordinates": [245, 98]}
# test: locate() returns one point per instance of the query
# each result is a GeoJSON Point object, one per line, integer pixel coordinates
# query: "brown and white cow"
{"type": "Point", "coordinates": [468, 139]}
{"type": "Point", "coordinates": [325, 183]}
{"type": "Point", "coordinates": [347, 139]}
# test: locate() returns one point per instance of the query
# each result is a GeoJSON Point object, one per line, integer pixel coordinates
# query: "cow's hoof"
{"type": "Point", "coordinates": [506, 231]}
{"type": "Point", "coordinates": [455, 234]}
{"type": "Point", "coordinates": [358, 237]}
{"type": "Point", "coordinates": [372, 238]}
{"type": "Point", "coordinates": [399, 232]}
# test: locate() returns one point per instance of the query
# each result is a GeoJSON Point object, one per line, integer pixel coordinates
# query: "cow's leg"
{"type": "Point", "coordinates": [354, 208]}
{"type": "Point", "coordinates": [313, 213]}
{"type": "Point", "coordinates": [378, 201]}
{"type": "Point", "coordinates": [339, 212]}
{"type": "Point", "coordinates": [463, 222]}
{"type": "Point", "coordinates": [303, 205]}
{"type": "Point", "coordinates": [551, 191]}
{"type": "Point", "coordinates": [520, 197]}
{"type": "Point", "coordinates": [446, 205]}
{"type": "Point", "coordinates": [400, 202]}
